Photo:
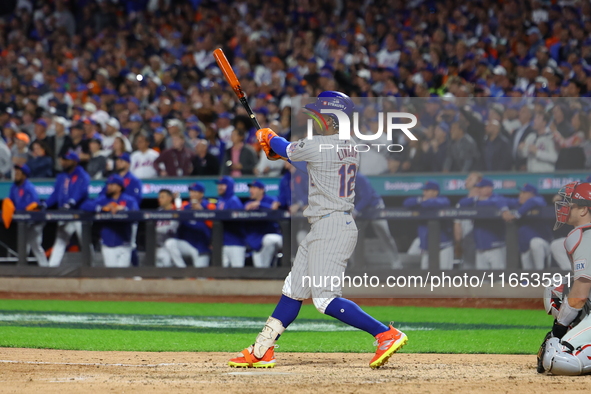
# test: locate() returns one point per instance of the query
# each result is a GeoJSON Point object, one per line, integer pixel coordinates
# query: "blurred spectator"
{"type": "Point", "coordinates": [142, 160]}
{"type": "Point", "coordinates": [97, 165]}
{"type": "Point", "coordinates": [240, 159]}
{"type": "Point", "coordinates": [225, 128]}
{"type": "Point", "coordinates": [176, 161]}
{"type": "Point", "coordinates": [497, 150]}
{"type": "Point", "coordinates": [19, 151]}
{"type": "Point", "coordinates": [62, 141]}
{"type": "Point", "coordinates": [111, 133]}
{"type": "Point", "coordinates": [462, 152]}
{"type": "Point", "coordinates": [266, 167]}
{"type": "Point", "coordinates": [415, 155]}
{"type": "Point", "coordinates": [539, 148]}
{"type": "Point", "coordinates": [568, 135]}
{"type": "Point", "coordinates": [204, 163]}
{"type": "Point", "coordinates": [40, 162]}
{"type": "Point", "coordinates": [5, 160]}
{"type": "Point", "coordinates": [41, 133]}
{"type": "Point", "coordinates": [159, 139]}
{"type": "Point", "coordinates": [117, 150]}
{"type": "Point", "coordinates": [519, 135]}
{"type": "Point", "coordinates": [438, 146]}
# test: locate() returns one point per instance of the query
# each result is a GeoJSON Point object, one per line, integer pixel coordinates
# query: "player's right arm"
{"type": "Point", "coordinates": [411, 202]}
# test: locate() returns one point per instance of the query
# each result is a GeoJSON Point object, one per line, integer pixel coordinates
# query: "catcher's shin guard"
{"type": "Point", "coordinates": [541, 352]}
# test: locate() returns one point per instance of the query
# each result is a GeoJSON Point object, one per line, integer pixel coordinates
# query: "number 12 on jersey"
{"type": "Point", "coordinates": [347, 174]}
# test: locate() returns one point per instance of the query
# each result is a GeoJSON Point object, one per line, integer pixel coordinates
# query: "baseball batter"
{"type": "Point", "coordinates": [328, 245]}
{"type": "Point", "coordinates": [567, 348]}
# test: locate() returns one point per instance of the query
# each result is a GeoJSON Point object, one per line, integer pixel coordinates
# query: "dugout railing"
{"type": "Point", "coordinates": [147, 269]}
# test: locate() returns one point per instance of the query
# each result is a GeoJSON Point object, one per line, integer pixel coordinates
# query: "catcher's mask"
{"type": "Point", "coordinates": [572, 193]}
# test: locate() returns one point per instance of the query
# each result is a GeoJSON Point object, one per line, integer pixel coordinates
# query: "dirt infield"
{"type": "Point", "coordinates": [63, 372]}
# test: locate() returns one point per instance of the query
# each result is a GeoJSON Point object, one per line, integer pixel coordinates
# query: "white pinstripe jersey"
{"type": "Point", "coordinates": [332, 173]}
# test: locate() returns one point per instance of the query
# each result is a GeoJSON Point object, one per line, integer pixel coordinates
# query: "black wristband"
{"type": "Point", "coordinates": [558, 330]}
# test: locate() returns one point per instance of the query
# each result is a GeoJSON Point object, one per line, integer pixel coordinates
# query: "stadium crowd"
{"type": "Point", "coordinates": [101, 78]}
{"type": "Point", "coordinates": [129, 90]}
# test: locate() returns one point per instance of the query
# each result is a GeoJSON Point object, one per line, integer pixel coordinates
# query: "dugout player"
{"type": "Point", "coordinates": [133, 188]}
{"type": "Point", "coordinates": [489, 235]}
{"type": "Point", "coordinates": [367, 206]}
{"type": "Point", "coordinates": [193, 236]}
{"type": "Point", "coordinates": [465, 248]}
{"type": "Point", "coordinates": [566, 350]}
{"type": "Point", "coordinates": [234, 249]}
{"type": "Point", "coordinates": [24, 197]}
{"type": "Point", "coordinates": [166, 230]}
{"type": "Point", "coordinates": [429, 200]}
{"type": "Point", "coordinates": [70, 191]}
{"type": "Point", "coordinates": [533, 235]}
{"type": "Point", "coordinates": [330, 242]}
{"type": "Point", "coordinates": [115, 236]}
{"type": "Point", "coordinates": [262, 236]}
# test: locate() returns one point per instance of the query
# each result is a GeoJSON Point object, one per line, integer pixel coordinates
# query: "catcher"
{"type": "Point", "coordinates": [566, 350]}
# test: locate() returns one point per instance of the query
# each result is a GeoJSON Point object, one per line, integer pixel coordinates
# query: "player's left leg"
{"type": "Point", "coordinates": [497, 258]}
{"type": "Point", "coordinates": [123, 256]}
{"type": "Point", "coordinates": [540, 251]}
{"type": "Point", "coordinates": [261, 354]}
{"type": "Point", "coordinates": [446, 258]}
{"type": "Point", "coordinates": [271, 244]}
{"type": "Point", "coordinates": [382, 230]}
{"type": "Point", "coordinates": [172, 247]}
{"type": "Point", "coordinates": [35, 238]}
{"type": "Point", "coordinates": [328, 255]}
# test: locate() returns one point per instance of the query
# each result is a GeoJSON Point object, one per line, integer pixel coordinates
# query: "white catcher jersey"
{"type": "Point", "coordinates": [332, 172]}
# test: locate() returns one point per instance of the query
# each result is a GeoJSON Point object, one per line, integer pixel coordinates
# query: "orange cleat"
{"type": "Point", "coordinates": [388, 343]}
{"type": "Point", "coordinates": [246, 359]}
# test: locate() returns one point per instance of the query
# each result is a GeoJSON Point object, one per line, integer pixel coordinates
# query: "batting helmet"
{"type": "Point", "coordinates": [332, 100]}
{"type": "Point", "coordinates": [572, 193]}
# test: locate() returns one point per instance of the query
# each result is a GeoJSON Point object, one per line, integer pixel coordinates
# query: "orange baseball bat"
{"type": "Point", "coordinates": [230, 76]}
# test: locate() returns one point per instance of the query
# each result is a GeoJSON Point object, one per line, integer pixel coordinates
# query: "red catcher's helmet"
{"type": "Point", "coordinates": [572, 193]}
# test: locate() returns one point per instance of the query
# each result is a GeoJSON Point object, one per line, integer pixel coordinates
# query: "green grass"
{"type": "Point", "coordinates": [470, 330]}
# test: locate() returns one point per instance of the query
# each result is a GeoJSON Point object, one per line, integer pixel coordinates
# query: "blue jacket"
{"type": "Point", "coordinates": [196, 232]}
{"type": "Point", "coordinates": [423, 230]}
{"type": "Point", "coordinates": [530, 228]}
{"type": "Point", "coordinates": [41, 167]}
{"type": "Point", "coordinates": [114, 233]}
{"type": "Point", "coordinates": [23, 195]}
{"type": "Point", "coordinates": [256, 230]}
{"type": "Point", "coordinates": [70, 188]}
{"type": "Point", "coordinates": [133, 188]}
{"type": "Point", "coordinates": [233, 231]}
{"type": "Point", "coordinates": [488, 234]}
{"type": "Point", "coordinates": [367, 199]}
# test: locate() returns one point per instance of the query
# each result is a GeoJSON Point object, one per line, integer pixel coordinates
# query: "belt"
{"type": "Point", "coordinates": [317, 218]}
